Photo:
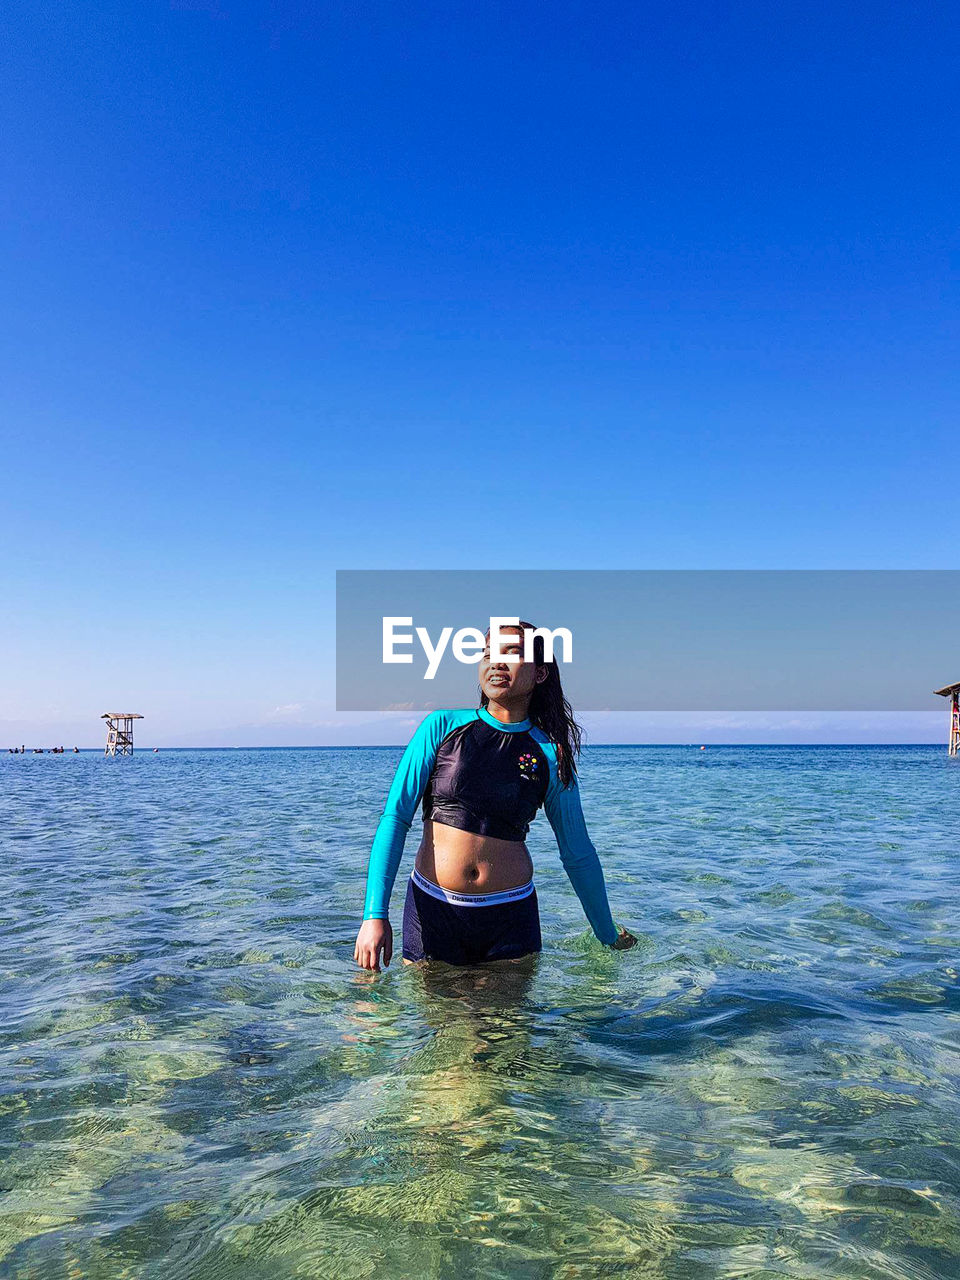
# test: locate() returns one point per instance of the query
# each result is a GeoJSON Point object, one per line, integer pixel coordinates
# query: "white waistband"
{"type": "Point", "coordinates": [470, 899]}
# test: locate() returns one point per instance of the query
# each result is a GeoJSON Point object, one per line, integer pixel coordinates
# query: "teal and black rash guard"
{"type": "Point", "coordinates": [477, 774]}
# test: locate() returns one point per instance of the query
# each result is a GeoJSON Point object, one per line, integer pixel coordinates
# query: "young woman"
{"type": "Point", "coordinates": [482, 774]}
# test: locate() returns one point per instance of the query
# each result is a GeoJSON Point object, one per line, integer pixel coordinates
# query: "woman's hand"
{"type": "Point", "coordinates": [374, 936]}
{"type": "Point", "coordinates": [624, 942]}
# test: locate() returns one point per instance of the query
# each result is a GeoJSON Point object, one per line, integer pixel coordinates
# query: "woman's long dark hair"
{"type": "Point", "coordinates": [551, 712]}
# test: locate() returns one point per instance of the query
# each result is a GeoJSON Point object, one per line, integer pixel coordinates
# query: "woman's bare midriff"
{"type": "Point", "coordinates": [467, 863]}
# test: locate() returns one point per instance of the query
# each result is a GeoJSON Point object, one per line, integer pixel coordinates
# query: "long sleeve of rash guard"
{"type": "Point", "coordinates": [406, 792]}
{"type": "Point", "coordinates": [578, 854]}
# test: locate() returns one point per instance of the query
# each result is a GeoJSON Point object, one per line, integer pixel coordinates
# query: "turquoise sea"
{"type": "Point", "coordinates": [198, 1083]}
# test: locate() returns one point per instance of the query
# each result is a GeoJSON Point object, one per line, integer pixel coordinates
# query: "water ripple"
{"type": "Point", "coordinates": [198, 1083]}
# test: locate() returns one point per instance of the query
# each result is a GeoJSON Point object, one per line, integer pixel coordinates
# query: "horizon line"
{"type": "Point", "coordinates": [389, 746]}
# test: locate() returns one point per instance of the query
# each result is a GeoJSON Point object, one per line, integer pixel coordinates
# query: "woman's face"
{"type": "Point", "coordinates": [509, 681]}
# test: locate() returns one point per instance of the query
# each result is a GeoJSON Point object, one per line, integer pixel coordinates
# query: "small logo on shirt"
{"type": "Point", "coordinates": [528, 766]}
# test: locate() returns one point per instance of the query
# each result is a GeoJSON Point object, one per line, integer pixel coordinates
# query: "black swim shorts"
{"type": "Point", "coordinates": [437, 929]}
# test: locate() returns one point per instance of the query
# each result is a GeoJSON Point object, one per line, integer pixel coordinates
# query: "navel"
{"type": "Point", "coordinates": [473, 873]}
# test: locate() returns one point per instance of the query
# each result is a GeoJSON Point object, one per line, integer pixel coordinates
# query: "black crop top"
{"type": "Point", "coordinates": [487, 781]}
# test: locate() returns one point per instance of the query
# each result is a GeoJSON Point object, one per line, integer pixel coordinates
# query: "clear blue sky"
{"type": "Point", "coordinates": [295, 287]}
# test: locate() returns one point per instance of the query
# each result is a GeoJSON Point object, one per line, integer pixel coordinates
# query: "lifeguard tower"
{"type": "Point", "coordinates": [952, 691]}
{"type": "Point", "coordinates": [119, 732]}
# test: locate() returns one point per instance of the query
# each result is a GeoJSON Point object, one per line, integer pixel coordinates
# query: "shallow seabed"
{"type": "Point", "coordinates": [199, 1083]}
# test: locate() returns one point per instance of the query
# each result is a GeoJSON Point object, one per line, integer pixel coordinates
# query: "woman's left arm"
{"type": "Point", "coordinates": [578, 854]}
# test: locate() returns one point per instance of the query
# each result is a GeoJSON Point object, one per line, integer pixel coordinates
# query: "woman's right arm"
{"type": "Point", "coordinates": [405, 794]}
